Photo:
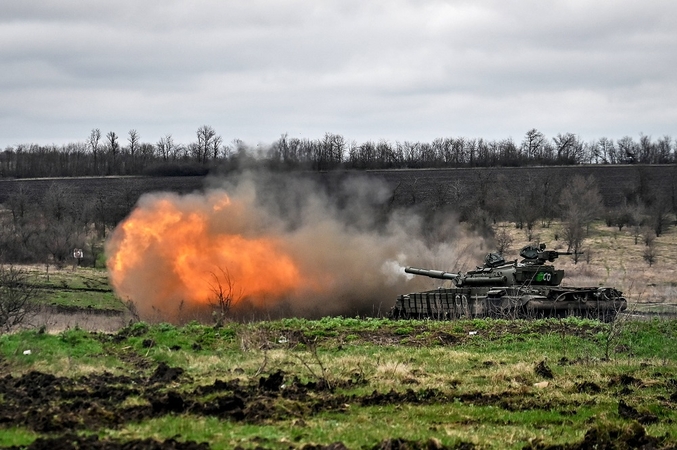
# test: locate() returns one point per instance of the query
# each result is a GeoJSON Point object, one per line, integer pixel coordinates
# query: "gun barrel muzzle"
{"type": "Point", "coordinates": [440, 274]}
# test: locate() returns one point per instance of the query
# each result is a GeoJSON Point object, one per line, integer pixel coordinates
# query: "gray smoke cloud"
{"type": "Point", "coordinates": [344, 233]}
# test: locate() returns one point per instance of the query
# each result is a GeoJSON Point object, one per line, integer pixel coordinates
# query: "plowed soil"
{"type": "Point", "coordinates": [58, 407]}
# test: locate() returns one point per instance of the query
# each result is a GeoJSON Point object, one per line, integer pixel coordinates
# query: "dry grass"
{"type": "Point", "coordinates": [207, 364]}
{"type": "Point", "coordinates": [515, 375]}
{"type": "Point", "coordinates": [393, 370]}
{"type": "Point", "coordinates": [54, 322]}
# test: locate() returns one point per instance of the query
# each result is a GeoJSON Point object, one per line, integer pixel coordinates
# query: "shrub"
{"type": "Point", "coordinates": [17, 298]}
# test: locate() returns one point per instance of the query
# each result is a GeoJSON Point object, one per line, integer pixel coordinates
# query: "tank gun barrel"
{"type": "Point", "coordinates": [439, 274]}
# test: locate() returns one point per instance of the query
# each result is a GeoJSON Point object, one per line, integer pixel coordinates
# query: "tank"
{"type": "Point", "coordinates": [530, 288]}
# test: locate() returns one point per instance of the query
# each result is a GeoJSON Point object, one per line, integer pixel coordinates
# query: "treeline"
{"type": "Point", "coordinates": [544, 199]}
{"type": "Point", "coordinates": [45, 225]}
{"type": "Point", "coordinates": [111, 154]}
{"type": "Point", "coordinates": [647, 210]}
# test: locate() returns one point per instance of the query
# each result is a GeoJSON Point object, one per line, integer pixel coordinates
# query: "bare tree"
{"type": "Point", "coordinates": [20, 204]}
{"type": "Point", "coordinates": [606, 149]}
{"type": "Point", "coordinates": [533, 144]}
{"type": "Point", "coordinates": [93, 142]}
{"type": "Point", "coordinates": [215, 147]}
{"type": "Point", "coordinates": [573, 233]}
{"type": "Point", "coordinates": [59, 240]}
{"type": "Point", "coordinates": [569, 148]}
{"type": "Point", "coordinates": [645, 147]}
{"type": "Point", "coordinates": [224, 295]}
{"type": "Point", "coordinates": [147, 152]}
{"type": "Point", "coordinates": [636, 221]}
{"type": "Point", "coordinates": [503, 240]}
{"type": "Point", "coordinates": [93, 139]}
{"type": "Point", "coordinates": [581, 203]}
{"type": "Point", "coordinates": [581, 199]}
{"type": "Point", "coordinates": [637, 231]}
{"type": "Point", "coordinates": [619, 217]}
{"type": "Point", "coordinates": [133, 140]}
{"type": "Point", "coordinates": [113, 149]}
{"type": "Point", "coordinates": [113, 144]}
{"type": "Point", "coordinates": [98, 211]}
{"type": "Point", "coordinates": [627, 150]}
{"type": "Point", "coordinates": [17, 298]}
{"type": "Point", "coordinates": [664, 150]}
{"type": "Point", "coordinates": [63, 225]}
{"type": "Point", "coordinates": [649, 235]}
{"type": "Point", "coordinates": [165, 147]}
{"type": "Point", "coordinates": [659, 215]}
{"type": "Point", "coordinates": [58, 203]}
{"type": "Point", "coordinates": [208, 144]}
{"type": "Point", "coordinates": [525, 206]}
{"type": "Point", "coordinates": [649, 254]}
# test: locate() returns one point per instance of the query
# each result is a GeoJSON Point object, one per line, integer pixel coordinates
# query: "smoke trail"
{"type": "Point", "coordinates": [280, 246]}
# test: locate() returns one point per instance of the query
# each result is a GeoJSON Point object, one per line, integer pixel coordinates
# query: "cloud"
{"type": "Point", "coordinates": [369, 70]}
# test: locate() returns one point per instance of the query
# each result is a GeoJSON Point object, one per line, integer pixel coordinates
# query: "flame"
{"type": "Point", "coordinates": [175, 248]}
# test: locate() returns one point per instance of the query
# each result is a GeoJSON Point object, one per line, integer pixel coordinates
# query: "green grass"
{"type": "Point", "coordinates": [82, 288]}
{"type": "Point", "coordinates": [222, 435]}
{"type": "Point", "coordinates": [72, 350]}
{"type": "Point", "coordinates": [82, 299]}
{"type": "Point", "coordinates": [79, 278]}
{"type": "Point", "coordinates": [16, 437]}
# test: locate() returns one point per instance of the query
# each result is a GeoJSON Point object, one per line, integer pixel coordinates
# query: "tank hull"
{"type": "Point", "coordinates": [511, 302]}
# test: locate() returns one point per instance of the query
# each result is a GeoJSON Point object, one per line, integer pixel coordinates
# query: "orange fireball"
{"type": "Point", "coordinates": [174, 250]}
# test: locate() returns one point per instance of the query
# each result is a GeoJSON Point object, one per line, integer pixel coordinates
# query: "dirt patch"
{"type": "Point", "coordinates": [543, 370]}
{"type": "Point", "coordinates": [272, 383]}
{"type": "Point", "coordinates": [49, 404]}
{"type": "Point", "coordinates": [430, 444]}
{"type": "Point", "coordinates": [628, 412]}
{"type": "Point", "coordinates": [609, 437]}
{"type": "Point", "coordinates": [624, 380]}
{"type": "Point", "coordinates": [165, 374]}
{"type": "Point", "coordinates": [59, 406]}
{"type": "Point", "coordinates": [46, 403]}
{"type": "Point", "coordinates": [332, 446]}
{"type": "Point", "coordinates": [72, 441]}
{"type": "Point", "coordinates": [588, 387]}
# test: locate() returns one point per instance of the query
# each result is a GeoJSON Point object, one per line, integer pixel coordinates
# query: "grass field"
{"type": "Point", "coordinates": [72, 288]}
{"type": "Point", "coordinates": [371, 383]}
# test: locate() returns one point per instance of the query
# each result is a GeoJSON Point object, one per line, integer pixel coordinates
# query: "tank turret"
{"type": "Point", "coordinates": [527, 288]}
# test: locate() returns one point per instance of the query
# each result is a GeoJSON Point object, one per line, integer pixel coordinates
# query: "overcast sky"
{"type": "Point", "coordinates": [369, 70]}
